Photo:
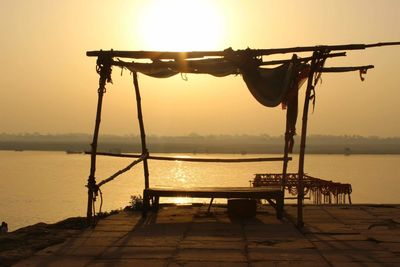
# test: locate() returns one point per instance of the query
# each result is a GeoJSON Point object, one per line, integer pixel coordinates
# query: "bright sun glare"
{"type": "Point", "coordinates": [177, 25]}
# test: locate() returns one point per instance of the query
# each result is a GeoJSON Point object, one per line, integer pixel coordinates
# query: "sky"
{"type": "Point", "coordinates": [48, 85]}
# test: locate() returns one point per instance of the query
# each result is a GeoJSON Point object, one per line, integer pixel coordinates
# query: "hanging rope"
{"type": "Point", "coordinates": [103, 68]}
{"type": "Point", "coordinates": [320, 62]}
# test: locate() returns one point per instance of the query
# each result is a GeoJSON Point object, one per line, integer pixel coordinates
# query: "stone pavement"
{"type": "Point", "coordinates": [189, 236]}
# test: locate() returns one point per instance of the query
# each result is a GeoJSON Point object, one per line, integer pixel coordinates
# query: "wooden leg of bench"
{"type": "Point", "coordinates": [146, 203]}
{"type": "Point", "coordinates": [273, 204]}
{"type": "Point", "coordinates": [279, 207]}
{"type": "Point", "coordinates": [209, 206]}
{"type": "Point", "coordinates": [156, 203]}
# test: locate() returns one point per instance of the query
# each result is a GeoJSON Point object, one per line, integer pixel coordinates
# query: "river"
{"type": "Point", "coordinates": [50, 186]}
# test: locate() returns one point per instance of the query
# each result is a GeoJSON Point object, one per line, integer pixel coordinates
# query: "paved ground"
{"type": "Point", "coordinates": [189, 236]}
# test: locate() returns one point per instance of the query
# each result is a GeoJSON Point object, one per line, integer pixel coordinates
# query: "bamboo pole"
{"type": "Point", "coordinates": [216, 160]}
{"type": "Point", "coordinates": [118, 173]}
{"type": "Point", "coordinates": [142, 131]}
{"type": "Point", "coordinates": [92, 180]}
{"type": "Point", "coordinates": [285, 155]}
{"type": "Point", "coordinates": [300, 193]}
{"type": "Point", "coordinates": [230, 52]}
{"type": "Point", "coordinates": [300, 59]}
{"type": "Point", "coordinates": [345, 69]}
{"type": "Point", "coordinates": [178, 65]}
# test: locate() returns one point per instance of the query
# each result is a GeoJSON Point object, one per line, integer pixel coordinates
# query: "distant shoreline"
{"type": "Point", "coordinates": [198, 144]}
{"type": "Point", "coordinates": [320, 152]}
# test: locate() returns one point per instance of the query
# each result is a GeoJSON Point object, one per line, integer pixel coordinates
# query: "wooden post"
{"type": "Point", "coordinates": [285, 156]}
{"type": "Point", "coordinates": [92, 180]}
{"type": "Point", "coordinates": [142, 132]}
{"type": "Point", "coordinates": [300, 186]}
{"type": "Point", "coordinates": [104, 70]}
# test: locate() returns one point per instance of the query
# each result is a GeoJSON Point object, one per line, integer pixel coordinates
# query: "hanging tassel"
{"type": "Point", "coordinates": [362, 72]}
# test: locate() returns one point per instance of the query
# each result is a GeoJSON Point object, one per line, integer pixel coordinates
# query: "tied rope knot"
{"type": "Point", "coordinates": [317, 75]}
{"type": "Point", "coordinates": [362, 73]}
{"type": "Point", "coordinates": [93, 187]}
{"type": "Point", "coordinates": [103, 68]}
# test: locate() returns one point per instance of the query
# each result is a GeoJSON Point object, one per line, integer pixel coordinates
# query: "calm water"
{"type": "Point", "coordinates": [49, 186]}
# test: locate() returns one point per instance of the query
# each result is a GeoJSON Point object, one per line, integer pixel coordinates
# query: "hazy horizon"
{"type": "Point", "coordinates": [192, 134]}
{"type": "Point", "coordinates": [48, 85]}
{"type": "Point", "coordinates": [195, 143]}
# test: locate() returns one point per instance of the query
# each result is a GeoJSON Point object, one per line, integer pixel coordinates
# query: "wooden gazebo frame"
{"type": "Point", "coordinates": [178, 62]}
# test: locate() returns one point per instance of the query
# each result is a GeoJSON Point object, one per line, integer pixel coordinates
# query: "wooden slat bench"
{"type": "Point", "coordinates": [273, 195]}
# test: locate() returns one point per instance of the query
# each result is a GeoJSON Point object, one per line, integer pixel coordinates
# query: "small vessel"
{"type": "Point", "coordinates": [73, 152]}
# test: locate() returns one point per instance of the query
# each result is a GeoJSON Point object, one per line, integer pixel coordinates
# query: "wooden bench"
{"type": "Point", "coordinates": [273, 195]}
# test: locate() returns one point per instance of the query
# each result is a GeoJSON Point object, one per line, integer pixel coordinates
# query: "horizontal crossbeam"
{"type": "Point", "coordinates": [216, 160]}
{"type": "Point", "coordinates": [230, 52]}
{"type": "Point", "coordinates": [346, 69]}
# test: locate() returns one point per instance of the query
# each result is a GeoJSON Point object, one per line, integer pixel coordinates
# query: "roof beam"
{"type": "Point", "coordinates": [230, 52]}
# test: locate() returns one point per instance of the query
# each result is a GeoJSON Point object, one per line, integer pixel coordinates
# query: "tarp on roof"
{"type": "Point", "coordinates": [269, 86]}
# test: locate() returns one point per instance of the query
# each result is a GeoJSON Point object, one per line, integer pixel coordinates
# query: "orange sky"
{"type": "Point", "coordinates": [48, 85]}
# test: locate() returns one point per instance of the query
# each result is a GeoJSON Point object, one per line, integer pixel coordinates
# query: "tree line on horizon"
{"type": "Point", "coordinates": [196, 143]}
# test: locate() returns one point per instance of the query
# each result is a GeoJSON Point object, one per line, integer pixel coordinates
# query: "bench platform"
{"type": "Point", "coordinates": [273, 195]}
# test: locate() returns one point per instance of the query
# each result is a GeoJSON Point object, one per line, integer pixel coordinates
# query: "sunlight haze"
{"type": "Point", "coordinates": [180, 25]}
{"type": "Point", "coordinates": [48, 85]}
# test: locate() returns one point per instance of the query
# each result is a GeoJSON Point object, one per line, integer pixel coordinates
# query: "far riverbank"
{"type": "Point", "coordinates": [196, 144]}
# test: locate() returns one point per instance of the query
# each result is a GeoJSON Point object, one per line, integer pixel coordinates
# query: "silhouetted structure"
{"type": "Point", "coordinates": [319, 191]}
{"type": "Point", "coordinates": [270, 87]}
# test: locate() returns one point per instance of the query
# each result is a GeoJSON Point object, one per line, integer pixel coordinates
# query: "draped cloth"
{"type": "Point", "coordinates": [165, 69]}
{"type": "Point", "coordinates": [269, 86]}
{"type": "Point", "coordinates": [280, 85]}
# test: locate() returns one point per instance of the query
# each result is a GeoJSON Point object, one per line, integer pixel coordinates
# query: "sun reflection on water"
{"type": "Point", "coordinates": [179, 174]}
{"type": "Point", "coordinates": [182, 200]}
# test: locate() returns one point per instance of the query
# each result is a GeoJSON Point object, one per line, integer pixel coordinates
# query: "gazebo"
{"type": "Point", "coordinates": [270, 86]}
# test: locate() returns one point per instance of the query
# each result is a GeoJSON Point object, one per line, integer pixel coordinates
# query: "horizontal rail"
{"type": "Point", "coordinates": [127, 168]}
{"type": "Point", "coordinates": [182, 66]}
{"type": "Point", "coordinates": [302, 59]}
{"type": "Point", "coordinates": [322, 48]}
{"type": "Point", "coordinates": [346, 69]}
{"type": "Point", "coordinates": [217, 160]}
{"type": "Point", "coordinates": [227, 52]}
{"type": "Point", "coordinates": [216, 192]}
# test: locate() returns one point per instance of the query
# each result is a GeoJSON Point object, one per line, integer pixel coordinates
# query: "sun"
{"type": "Point", "coordinates": [180, 25]}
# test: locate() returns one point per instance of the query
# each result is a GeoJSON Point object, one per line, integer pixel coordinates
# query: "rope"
{"type": "Point", "coordinates": [317, 76]}
{"type": "Point", "coordinates": [101, 200]}
{"type": "Point", "coordinates": [95, 194]}
{"type": "Point", "coordinates": [94, 211]}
